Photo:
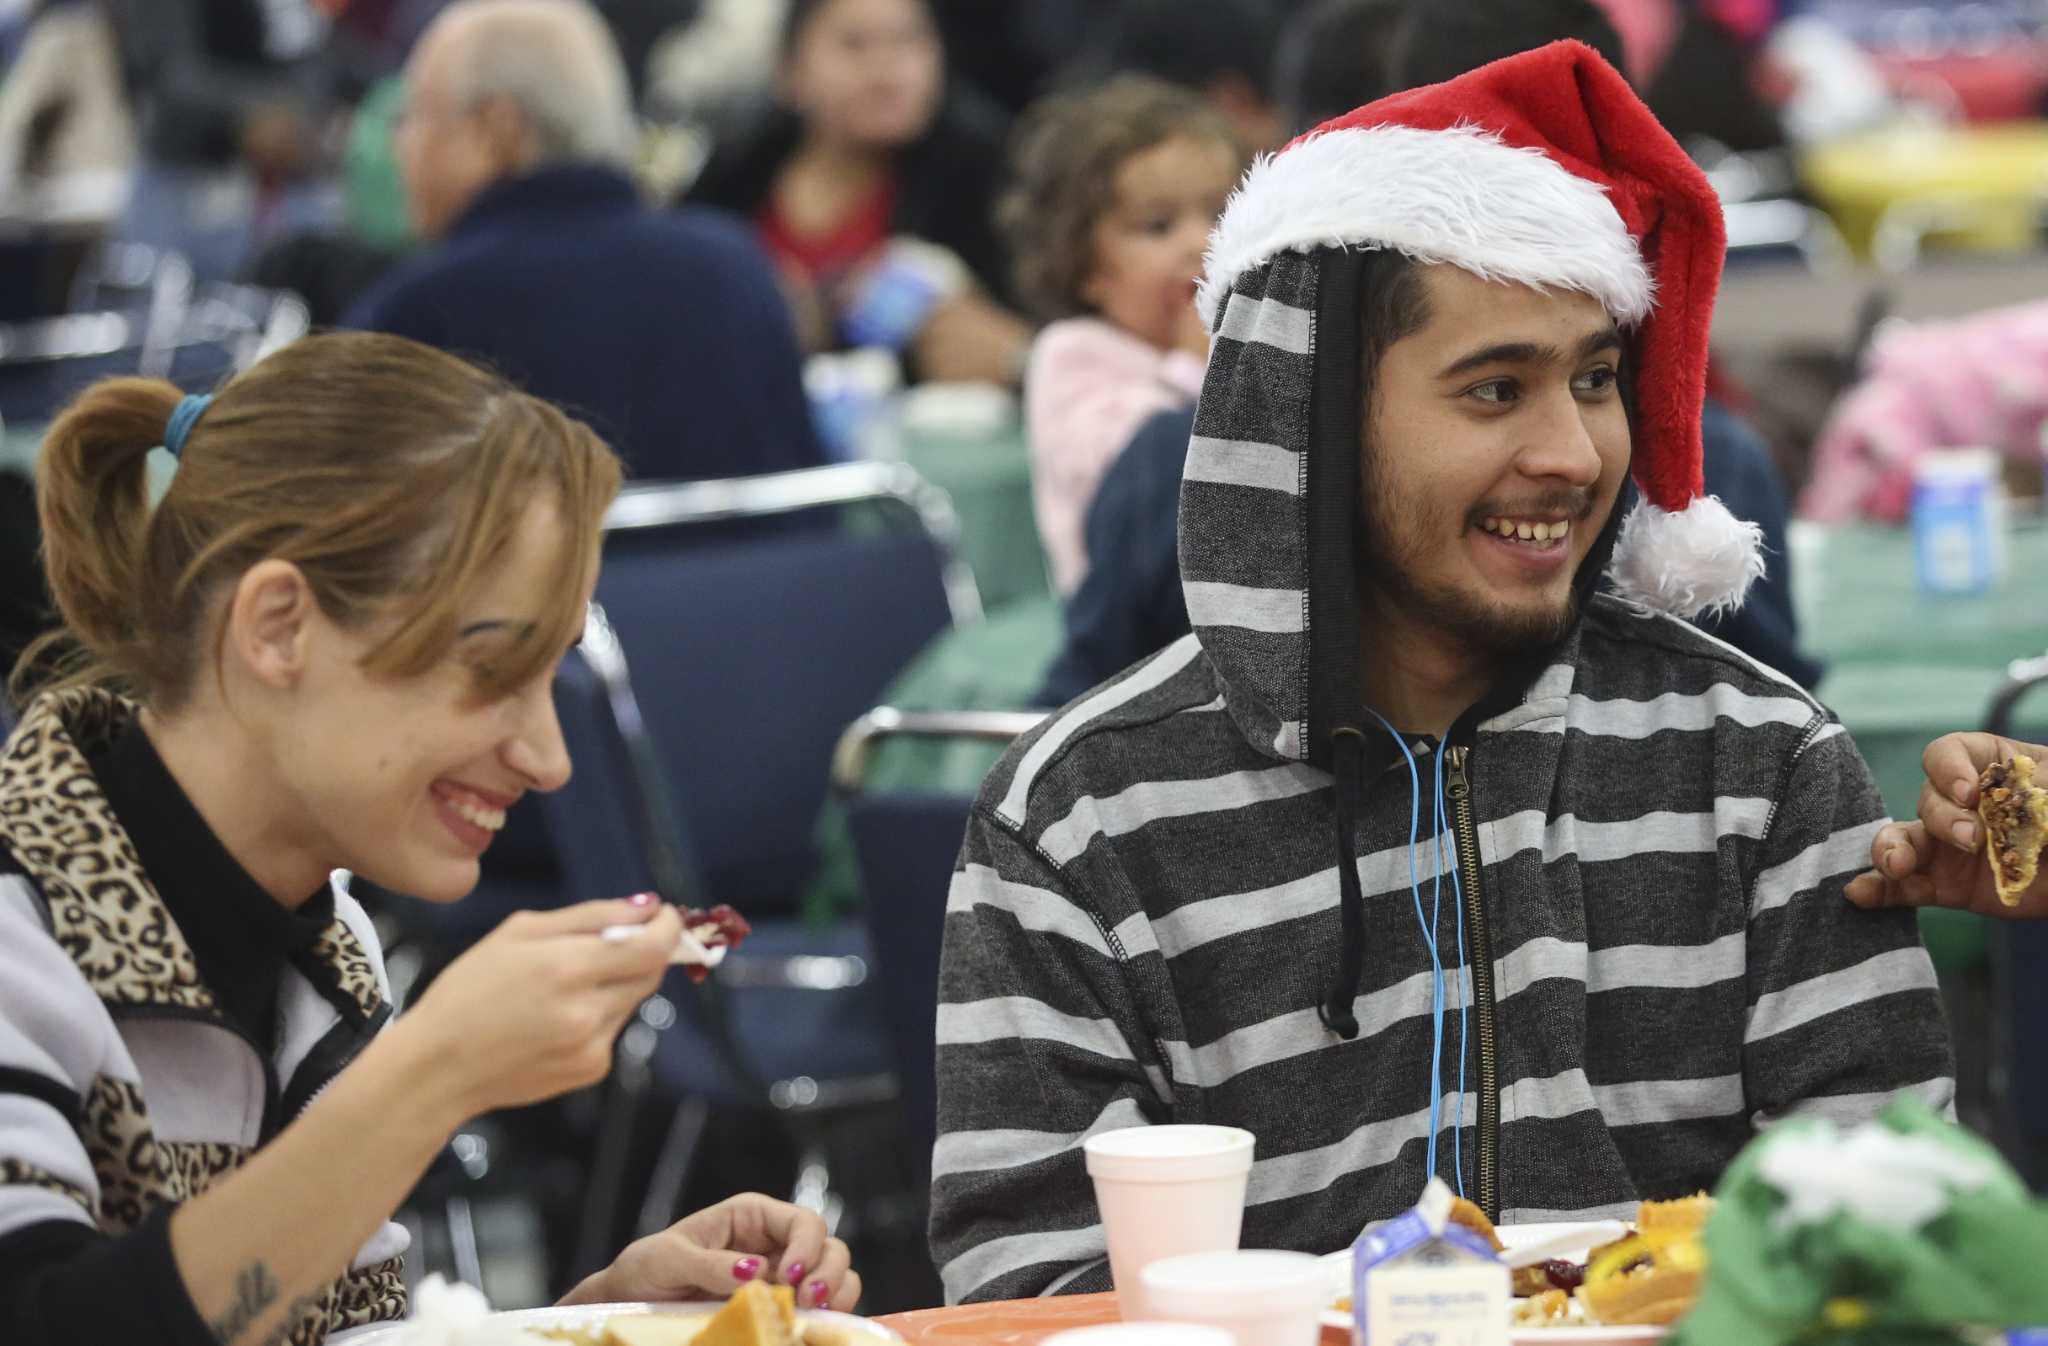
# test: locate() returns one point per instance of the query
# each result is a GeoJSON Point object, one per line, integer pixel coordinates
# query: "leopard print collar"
{"type": "Point", "coordinates": [104, 910]}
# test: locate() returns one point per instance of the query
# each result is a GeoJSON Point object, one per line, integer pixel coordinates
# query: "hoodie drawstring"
{"type": "Point", "coordinates": [1347, 750]}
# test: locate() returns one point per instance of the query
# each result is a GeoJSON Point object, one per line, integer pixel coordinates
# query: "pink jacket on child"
{"type": "Point", "coordinates": [1088, 386]}
{"type": "Point", "coordinates": [1974, 382]}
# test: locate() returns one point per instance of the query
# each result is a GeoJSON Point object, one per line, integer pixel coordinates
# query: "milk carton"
{"type": "Point", "coordinates": [1421, 1280]}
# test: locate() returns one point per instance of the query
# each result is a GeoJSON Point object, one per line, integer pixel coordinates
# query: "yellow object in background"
{"type": "Point", "coordinates": [1977, 188]}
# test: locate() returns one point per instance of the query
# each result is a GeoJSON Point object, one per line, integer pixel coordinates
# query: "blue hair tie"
{"type": "Point", "coordinates": [190, 409]}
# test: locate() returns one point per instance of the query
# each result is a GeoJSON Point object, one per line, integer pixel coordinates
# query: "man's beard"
{"type": "Point", "coordinates": [1390, 558]}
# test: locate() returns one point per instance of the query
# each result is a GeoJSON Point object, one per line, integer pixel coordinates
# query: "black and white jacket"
{"type": "Point", "coordinates": [124, 1087]}
{"type": "Point", "coordinates": [1650, 833]}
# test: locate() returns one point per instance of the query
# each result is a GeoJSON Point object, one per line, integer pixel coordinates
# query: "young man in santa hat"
{"type": "Point", "coordinates": [1418, 855]}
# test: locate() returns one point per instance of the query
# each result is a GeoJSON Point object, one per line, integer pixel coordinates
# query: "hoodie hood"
{"type": "Point", "coordinates": [1269, 509]}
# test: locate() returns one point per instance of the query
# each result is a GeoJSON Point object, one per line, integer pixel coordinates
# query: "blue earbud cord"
{"type": "Point", "coordinates": [1436, 1056]}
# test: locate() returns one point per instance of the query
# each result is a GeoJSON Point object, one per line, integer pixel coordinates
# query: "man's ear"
{"type": "Point", "coordinates": [268, 623]}
{"type": "Point", "coordinates": [507, 134]}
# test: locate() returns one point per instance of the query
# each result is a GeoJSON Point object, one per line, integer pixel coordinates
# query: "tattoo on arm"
{"type": "Point", "coordinates": [255, 1290]}
{"type": "Point", "coordinates": [282, 1333]}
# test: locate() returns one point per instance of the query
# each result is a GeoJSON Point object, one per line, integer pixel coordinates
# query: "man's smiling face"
{"type": "Point", "coordinates": [1495, 445]}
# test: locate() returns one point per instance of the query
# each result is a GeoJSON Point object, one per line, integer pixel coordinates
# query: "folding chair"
{"type": "Point", "coordinates": [137, 311]}
{"type": "Point", "coordinates": [720, 663]}
{"type": "Point", "coordinates": [45, 362]}
{"type": "Point", "coordinates": [906, 842]}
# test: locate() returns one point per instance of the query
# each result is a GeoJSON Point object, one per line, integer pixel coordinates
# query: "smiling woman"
{"type": "Point", "coordinates": [329, 648]}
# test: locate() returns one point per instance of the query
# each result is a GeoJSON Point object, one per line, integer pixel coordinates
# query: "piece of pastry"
{"type": "Point", "coordinates": [1649, 1297]}
{"type": "Point", "coordinates": [1686, 1215]}
{"type": "Point", "coordinates": [2014, 811]}
{"type": "Point", "coordinates": [1650, 1278]}
{"type": "Point", "coordinates": [1468, 1214]}
{"type": "Point", "coordinates": [756, 1315]}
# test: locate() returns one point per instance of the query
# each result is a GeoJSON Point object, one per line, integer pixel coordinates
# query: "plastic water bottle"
{"type": "Point", "coordinates": [1960, 539]}
{"type": "Point", "coordinates": [853, 396]}
{"type": "Point", "coordinates": [892, 300]}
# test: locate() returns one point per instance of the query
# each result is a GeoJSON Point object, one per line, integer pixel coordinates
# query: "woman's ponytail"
{"type": "Point", "coordinates": [92, 491]}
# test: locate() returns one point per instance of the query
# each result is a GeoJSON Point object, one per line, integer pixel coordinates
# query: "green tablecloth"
{"type": "Point", "coordinates": [1906, 667]}
{"type": "Point", "coordinates": [990, 483]}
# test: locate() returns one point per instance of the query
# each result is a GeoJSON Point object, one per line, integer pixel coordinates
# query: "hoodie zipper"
{"type": "Point", "coordinates": [1480, 948]}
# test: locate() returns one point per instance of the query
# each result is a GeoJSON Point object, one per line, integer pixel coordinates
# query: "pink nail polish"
{"type": "Point", "coordinates": [820, 1293]}
{"type": "Point", "coordinates": [746, 1268]}
{"type": "Point", "coordinates": [644, 899]}
{"type": "Point", "coordinates": [793, 1273]}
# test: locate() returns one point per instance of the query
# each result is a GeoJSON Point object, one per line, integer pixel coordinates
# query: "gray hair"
{"type": "Point", "coordinates": [556, 61]}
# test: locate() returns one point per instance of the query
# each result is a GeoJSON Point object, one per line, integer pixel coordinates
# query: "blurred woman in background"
{"type": "Point", "coordinates": [872, 184]}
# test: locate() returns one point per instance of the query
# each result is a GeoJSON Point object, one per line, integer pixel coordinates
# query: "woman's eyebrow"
{"type": "Point", "coordinates": [521, 629]}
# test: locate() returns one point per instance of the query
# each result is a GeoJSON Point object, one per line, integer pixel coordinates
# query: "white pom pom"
{"type": "Point", "coordinates": [1701, 559]}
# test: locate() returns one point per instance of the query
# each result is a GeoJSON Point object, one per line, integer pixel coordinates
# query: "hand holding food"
{"type": "Point", "coordinates": [532, 1010]}
{"type": "Point", "coordinates": [1941, 858]}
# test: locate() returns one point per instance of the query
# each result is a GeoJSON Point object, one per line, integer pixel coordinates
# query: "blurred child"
{"type": "Point", "coordinates": [1113, 193]}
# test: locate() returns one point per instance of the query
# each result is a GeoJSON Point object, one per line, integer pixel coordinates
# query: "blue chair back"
{"type": "Point", "coordinates": [749, 654]}
{"type": "Point", "coordinates": [906, 845]}
{"type": "Point", "coordinates": [2021, 954]}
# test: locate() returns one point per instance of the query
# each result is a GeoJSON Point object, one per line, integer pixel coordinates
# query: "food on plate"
{"type": "Point", "coordinates": [758, 1315]}
{"type": "Point", "coordinates": [1653, 1276]}
{"type": "Point", "coordinates": [1646, 1279]}
{"type": "Point", "coordinates": [1552, 1308]}
{"type": "Point", "coordinates": [2014, 811]}
{"type": "Point", "coordinates": [1687, 1214]}
{"type": "Point", "coordinates": [1468, 1214]}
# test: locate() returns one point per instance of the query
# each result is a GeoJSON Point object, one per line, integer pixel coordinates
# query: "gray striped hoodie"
{"type": "Point", "coordinates": [1650, 833]}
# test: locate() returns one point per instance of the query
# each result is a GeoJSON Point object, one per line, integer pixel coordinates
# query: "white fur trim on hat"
{"type": "Point", "coordinates": [1701, 559]}
{"type": "Point", "coordinates": [1459, 195]}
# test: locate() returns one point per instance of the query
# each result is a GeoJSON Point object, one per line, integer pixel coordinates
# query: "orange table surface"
{"type": "Point", "coordinates": [1017, 1322]}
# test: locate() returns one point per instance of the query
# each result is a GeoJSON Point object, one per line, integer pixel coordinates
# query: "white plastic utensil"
{"type": "Point", "coordinates": [1576, 1239]}
{"type": "Point", "coordinates": [689, 952]}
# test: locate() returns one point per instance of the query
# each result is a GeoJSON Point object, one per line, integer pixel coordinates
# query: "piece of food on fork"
{"type": "Point", "coordinates": [707, 937]}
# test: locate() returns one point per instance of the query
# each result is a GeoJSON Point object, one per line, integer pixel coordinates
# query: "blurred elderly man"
{"type": "Point", "coordinates": [664, 329]}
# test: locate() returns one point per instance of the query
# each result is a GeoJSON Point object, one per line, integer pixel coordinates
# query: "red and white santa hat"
{"type": "Point", "coordinates": [1543, 169]}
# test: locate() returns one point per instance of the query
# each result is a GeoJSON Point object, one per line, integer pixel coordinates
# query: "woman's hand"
{"type": "Point", "coordinates": [532, 1010]}
{"type": "Point", "coordinates": [1938, 858]}
{"type": "Point", "coordinates": [712, 1253]}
